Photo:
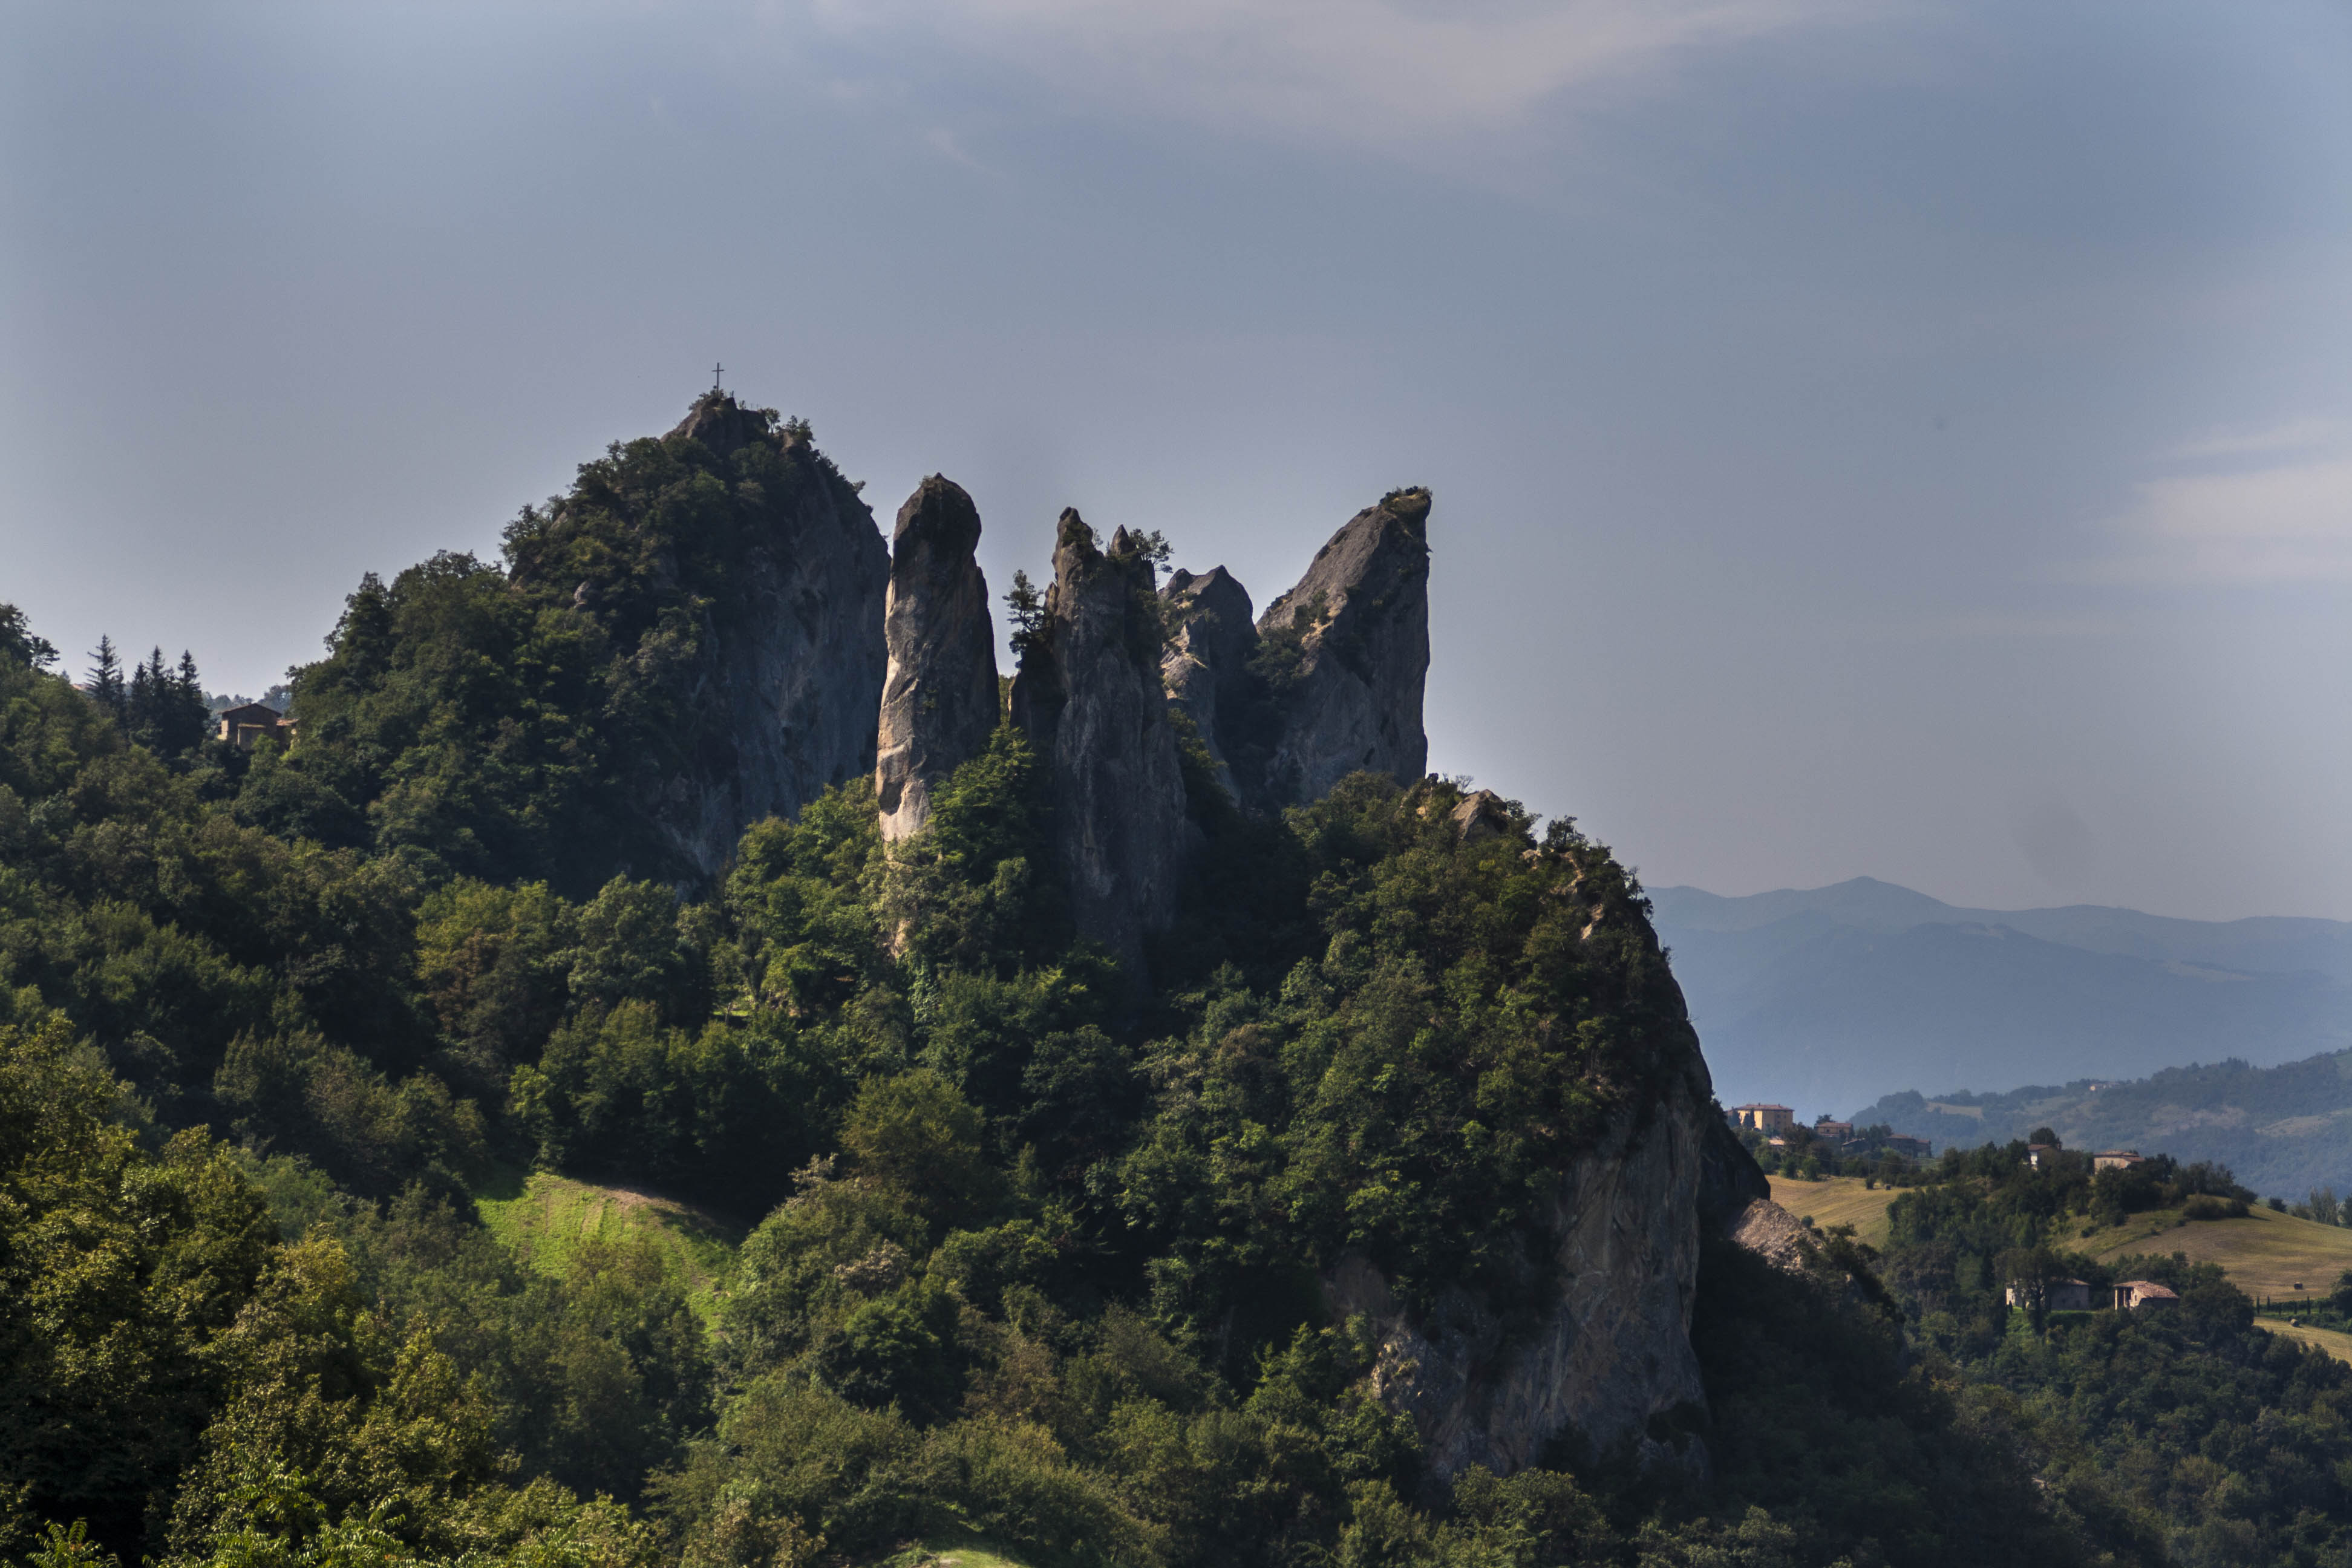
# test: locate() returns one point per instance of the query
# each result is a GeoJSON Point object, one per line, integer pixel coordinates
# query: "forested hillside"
{"type": "Point", "coordinates": [1032, 1260]}
{"type": "Point", "coordinates": [2285, 1129]}
{"type": "Point", "coordinates": [1039, 1245]}
{"type": "Point", "coordinates": [2182, 1433]}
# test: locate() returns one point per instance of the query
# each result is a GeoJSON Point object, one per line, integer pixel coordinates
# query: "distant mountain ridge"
{"type": "Point", "coordinates": [2260, 943]}
{"type": "Point", "coordinates": [1831, 997]}
{"type": "Point", "coordinates": [2283, 1129]}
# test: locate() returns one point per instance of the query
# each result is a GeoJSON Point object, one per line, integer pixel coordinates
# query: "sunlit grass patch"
{"type": "Point", "coordinates": [2334, 1344]}
{"type": "Point", "coordinates": [1838, 1200]}
{"type": "Point", "coordinates": [950, 1552]}
{"type": "Point", "coordinates": [546, 1217]}
{"type": "Point", "coordinates": [2265, 1254]}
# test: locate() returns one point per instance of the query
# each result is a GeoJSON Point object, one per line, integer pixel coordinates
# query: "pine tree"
{"type": "Point", "coordinates": [191, 715]}
{"type": "Point", "coordinates": [105, 684]}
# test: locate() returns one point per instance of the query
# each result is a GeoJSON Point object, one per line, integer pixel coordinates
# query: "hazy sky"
{"type": "Point", "coordinates": [1911, 440]}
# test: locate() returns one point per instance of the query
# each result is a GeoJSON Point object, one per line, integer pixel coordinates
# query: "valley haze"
{"type": "Point", "coordinates": [1827, 998]}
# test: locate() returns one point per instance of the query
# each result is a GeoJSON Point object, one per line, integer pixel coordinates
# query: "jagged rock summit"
{"type": "Point", "coordinates": [1347, 650]}
{"type": "Point", "coordinates": [1088, 695]}
{"type": "Point", "coordinates": [1329, 681]}
{"type": "Point", "coordinates": [940, 699]}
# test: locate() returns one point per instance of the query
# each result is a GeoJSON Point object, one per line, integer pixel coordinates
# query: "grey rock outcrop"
{"type": "Point", "coordinates": [1206, 667]}
{"type": "Point", "coordinates": [1612, 1352]}
{"type": "Point", "coordinates": [1349, 648]}
{"type": "Point", "coordinates": [939, 700]}
{"type": "Point", "coordinates": [1772, 1233]}
{"type": "Point", "coordinates": [1609, 1366]}
{"type": "Point", "coordinates": [778, 700]}
{"type": "Point", "coordinates": [1480, 816]}
{"type": "Point", "coordinates": [1088, 695]}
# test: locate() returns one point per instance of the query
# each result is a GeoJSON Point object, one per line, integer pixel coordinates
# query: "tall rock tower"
{"type": "Point", "coordinates": [1088, 696]}
{"type": "Point", "coordinates": [1347, 651]}
{"type": "Point", "coordinates": [939, 700]}
{"type": "Point", "coordinates": [1206, 667]}
{"type": "Point", "coordinates": [744, 613]}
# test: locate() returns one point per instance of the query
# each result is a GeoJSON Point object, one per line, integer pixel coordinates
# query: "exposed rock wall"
{"type": "Point", "coordinates": [1088, 694]}
{"type": "Point", "coordinates": [780, 696]}
{"type": "Point", "coordinates": [1206, 667]}
{"type": "Point", "coordinates": [939, 700]}
{"type": "Point", "coordinates": [1348, 655]}
{"type": "Point", "coordinates": [1612, 1352]}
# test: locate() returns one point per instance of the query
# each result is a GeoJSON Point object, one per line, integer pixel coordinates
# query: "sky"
{"type": "Point", "coordinates": [1869, 437]}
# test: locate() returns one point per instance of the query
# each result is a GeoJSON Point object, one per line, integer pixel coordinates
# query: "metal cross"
{"type": "Point", "coordinates": [715, 371]}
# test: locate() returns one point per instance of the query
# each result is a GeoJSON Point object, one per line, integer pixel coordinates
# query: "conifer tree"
{"type": "Point", "coordinates": [105, 684]}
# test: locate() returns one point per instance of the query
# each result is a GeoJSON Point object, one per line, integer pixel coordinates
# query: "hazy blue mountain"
{"type": "Point", "coordinates": [1829, 998]}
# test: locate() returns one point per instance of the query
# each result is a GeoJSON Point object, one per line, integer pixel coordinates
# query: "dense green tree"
{"type": "Point", "coordinates": [122, 1272]}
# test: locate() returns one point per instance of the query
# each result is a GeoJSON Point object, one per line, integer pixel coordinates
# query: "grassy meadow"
{"type": "Point", "coordinates": [2334, 1344]}
{"type": "Point", "coordinates": [1839, 1200]}
{"type": "Point", "coordinates": [545, 1219]}
{"type": "Point", "coordinates": [941, 1552]}
{"type": "Point", "coordinates": [2266, 1254]}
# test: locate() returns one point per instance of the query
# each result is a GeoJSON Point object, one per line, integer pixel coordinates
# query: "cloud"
{"type": "Point", "coordinates": [1985, 625]}
{"type": "Point", "coordinates": [2277, 509]}
{"type": "Point", "coordinates": [2295, 436]}
{"type": "Point", "coordinates": [1381, 74]}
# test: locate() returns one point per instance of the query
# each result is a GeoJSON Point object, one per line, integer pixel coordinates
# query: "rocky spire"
{"type": "Point", "coordinates": [1088, 696]}
{"type": "Point", "coordinates": [1346, 653]}
{"type": "Point", "coordinates": [940, 701]}
{"type": "Point", "coordinates": [1206, 667]}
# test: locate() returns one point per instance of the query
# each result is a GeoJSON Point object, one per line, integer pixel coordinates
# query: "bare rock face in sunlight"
{"type": "Point", "coordinates": [1089, 697]}
{"type": "Point", "coordinates": [1346, 654]}
{"type": "Point", "coordinates": [785, 680]}
{"type": "Point", "coordinates": [1206, 667]}
{"type": "Point", "coordinates": [939, 701]}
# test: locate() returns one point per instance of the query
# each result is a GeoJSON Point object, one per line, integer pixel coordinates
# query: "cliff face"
{"type": "Point", "coordinates": [1609, 1366]}
{"type": "Point", "coordinates": [939, 699]}
{"type": "Point", "coordinates": [1347, 652]}
{"type": "Point", "coordinates": [784, 689]}
{"type": "Point", "coordinates": [729, 582]}
{"type": "Point", "coordinates": [1089, 697]}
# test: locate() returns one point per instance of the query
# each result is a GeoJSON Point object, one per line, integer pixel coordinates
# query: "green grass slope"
{"type": "Point", "coordinates": [942, 1552]}
{"type": "Point", "coordinates": [2329, 1340]}
{"type": "Point", "coordinates": [2264, 1254]}
{"type": "Point", "coordinates": [546, 1217]}
{"type": "Point", "coordinates": [1839, 1200]}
